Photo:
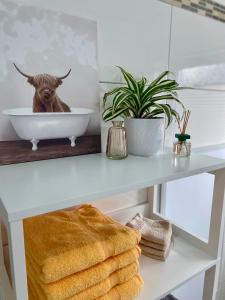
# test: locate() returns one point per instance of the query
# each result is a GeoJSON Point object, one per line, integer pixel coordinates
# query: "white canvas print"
{"type": "Point", "coordinates": [45, 42]}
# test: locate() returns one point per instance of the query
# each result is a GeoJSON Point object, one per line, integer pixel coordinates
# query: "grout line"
{"type": "Point", "coordinates": [168, 68]}
{"type": "Point", "coordinates": [170, 37]}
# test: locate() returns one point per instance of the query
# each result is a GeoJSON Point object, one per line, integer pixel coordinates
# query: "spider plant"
{"type": "Point", "coordinates": [141, 100]}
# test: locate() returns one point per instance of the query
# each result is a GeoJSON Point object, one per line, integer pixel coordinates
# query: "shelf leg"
{"type": "Point", "coordinates": [214, 246]}
{"type": "Point", "coordinates": [154, 200]}
{"type": "Point", "coordinates": [17, 260]}
{"type": "Point", "coordinates": [209, 292]}
{"type": "Point", "coordinates": [215, 240]}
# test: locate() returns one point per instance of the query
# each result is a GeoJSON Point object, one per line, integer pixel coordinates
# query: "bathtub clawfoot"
{"type": "Point", "coordinates": [72, 139]}
{"type": "Point", "coordinates": [34, 143]}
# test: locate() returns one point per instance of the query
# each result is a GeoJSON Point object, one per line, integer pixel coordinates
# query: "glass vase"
{"type": "Point", "coordinates": [117, 141]}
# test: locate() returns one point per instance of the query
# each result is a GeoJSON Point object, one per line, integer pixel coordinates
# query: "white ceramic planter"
{"type": "Point", "coordinates": [144, 136]}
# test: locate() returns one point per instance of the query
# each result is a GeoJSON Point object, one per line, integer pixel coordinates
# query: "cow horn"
{"type": "Point", "coordinates": [67, 74]}
{"type": "Point", "coordinates": [25, 75]}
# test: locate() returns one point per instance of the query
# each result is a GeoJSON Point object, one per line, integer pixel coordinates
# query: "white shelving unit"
{"type": "Point", "coordinates": [34, 188]}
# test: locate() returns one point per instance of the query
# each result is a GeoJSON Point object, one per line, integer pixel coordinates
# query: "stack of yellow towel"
{"type": "Point", "coordinates": [81, 254]}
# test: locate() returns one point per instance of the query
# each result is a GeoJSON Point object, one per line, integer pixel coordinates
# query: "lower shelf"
{"type": "Point", "coordinates": [184, 262]}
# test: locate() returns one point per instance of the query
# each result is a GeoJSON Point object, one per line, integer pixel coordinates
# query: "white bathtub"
{"type": "Point", "coordinates": [40, 126]}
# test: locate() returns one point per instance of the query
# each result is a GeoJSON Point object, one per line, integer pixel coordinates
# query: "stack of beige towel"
{"type": "Point", "coordinates": [156, 236]}
{"type": "Point", "coordinates": [81, 254]}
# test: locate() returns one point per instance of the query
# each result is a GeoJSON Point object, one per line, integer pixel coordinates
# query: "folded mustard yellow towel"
{"type": "Point", "coordinates": [98, 290]}
{"type": "Point", "coordinates": [80, 281]}
{"type": "Point", "coordinates": [65, 242]}
{"type": "Point", "coordinates": [126, 291]}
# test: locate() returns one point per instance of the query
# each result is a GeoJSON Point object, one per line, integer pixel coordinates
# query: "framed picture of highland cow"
{"type": "Point", "coordinates": [49, 100]}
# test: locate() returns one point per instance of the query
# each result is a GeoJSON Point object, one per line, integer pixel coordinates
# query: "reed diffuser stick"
{"type": "Point", "coordinates": [183, 125]}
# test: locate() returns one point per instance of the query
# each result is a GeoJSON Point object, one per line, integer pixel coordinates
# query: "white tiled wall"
{"type": "Point", "coordinates": [125, 36]}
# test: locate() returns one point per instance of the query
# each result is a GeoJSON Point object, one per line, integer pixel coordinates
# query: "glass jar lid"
{"type": "Point", "coordinates": [182, 137]}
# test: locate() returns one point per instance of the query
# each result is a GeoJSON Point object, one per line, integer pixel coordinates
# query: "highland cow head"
{"type": "Point", "coordinates": [45, 85]}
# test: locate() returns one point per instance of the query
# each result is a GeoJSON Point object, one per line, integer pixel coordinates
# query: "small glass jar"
{"type": "Point", "coordinates": [181, 147]}
{"type": "Point", "coordinates": [117, 141]}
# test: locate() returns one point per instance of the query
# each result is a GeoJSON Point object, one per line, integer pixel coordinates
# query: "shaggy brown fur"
{"type": "Point", "coordinates": [45, 97]}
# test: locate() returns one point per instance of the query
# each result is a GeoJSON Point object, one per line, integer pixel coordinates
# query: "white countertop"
{"type": "Point", "coordinates": [30, 189]}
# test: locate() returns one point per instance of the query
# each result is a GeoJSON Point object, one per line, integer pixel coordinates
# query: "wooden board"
{"type": "Point", "coordinates": [12, 152]}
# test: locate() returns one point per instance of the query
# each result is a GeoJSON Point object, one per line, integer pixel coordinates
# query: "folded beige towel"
{"type": "Point", "coordinates": [153, 245]}
{"type": "Point", "coordinates": [155, 231]}
{"type": "Point", "coordinates": [153, 256]}
{"type": "Point", "coordinates": [154, 253]}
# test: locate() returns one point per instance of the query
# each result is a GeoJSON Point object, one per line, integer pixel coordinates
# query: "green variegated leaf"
{"type": "Point", "coordinates": [134, 97]}
{"type": "Point", "coordinates": [141, 84]}
{"type": "Point", "coordinates": [160, 77]}
{"type": "Point", "coordinates": [131, 110]}
{"type": "Point", "coordinates": [144, 107]}
{"type": "Point", "coordinates": [167, 97]}
{"type": "Point", "coordinates": [163, 97]}
{"type": "Point", "coordinates": [110, 93]}
{"type": "Point", "coordinates": [107, 113]}
{"type": "Point", "coordinates": [160, 88]}
{"type": "Point", "coordinates": [167, 111]}
{"type": "Point", "coordinates": [159, 111]}
{"type": "Point", "coordinates": [131, 82]}
{"type": "Point", "coordinates": [171, 96]}
{"type": "Point", "coordinates": [175, 113]}
{"type": "Point", "coordinates": [110, 116]}
{"type": "Point", "coordinates": [119, 100]}
{"type": "Point", "coordinates": [155, 112]}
